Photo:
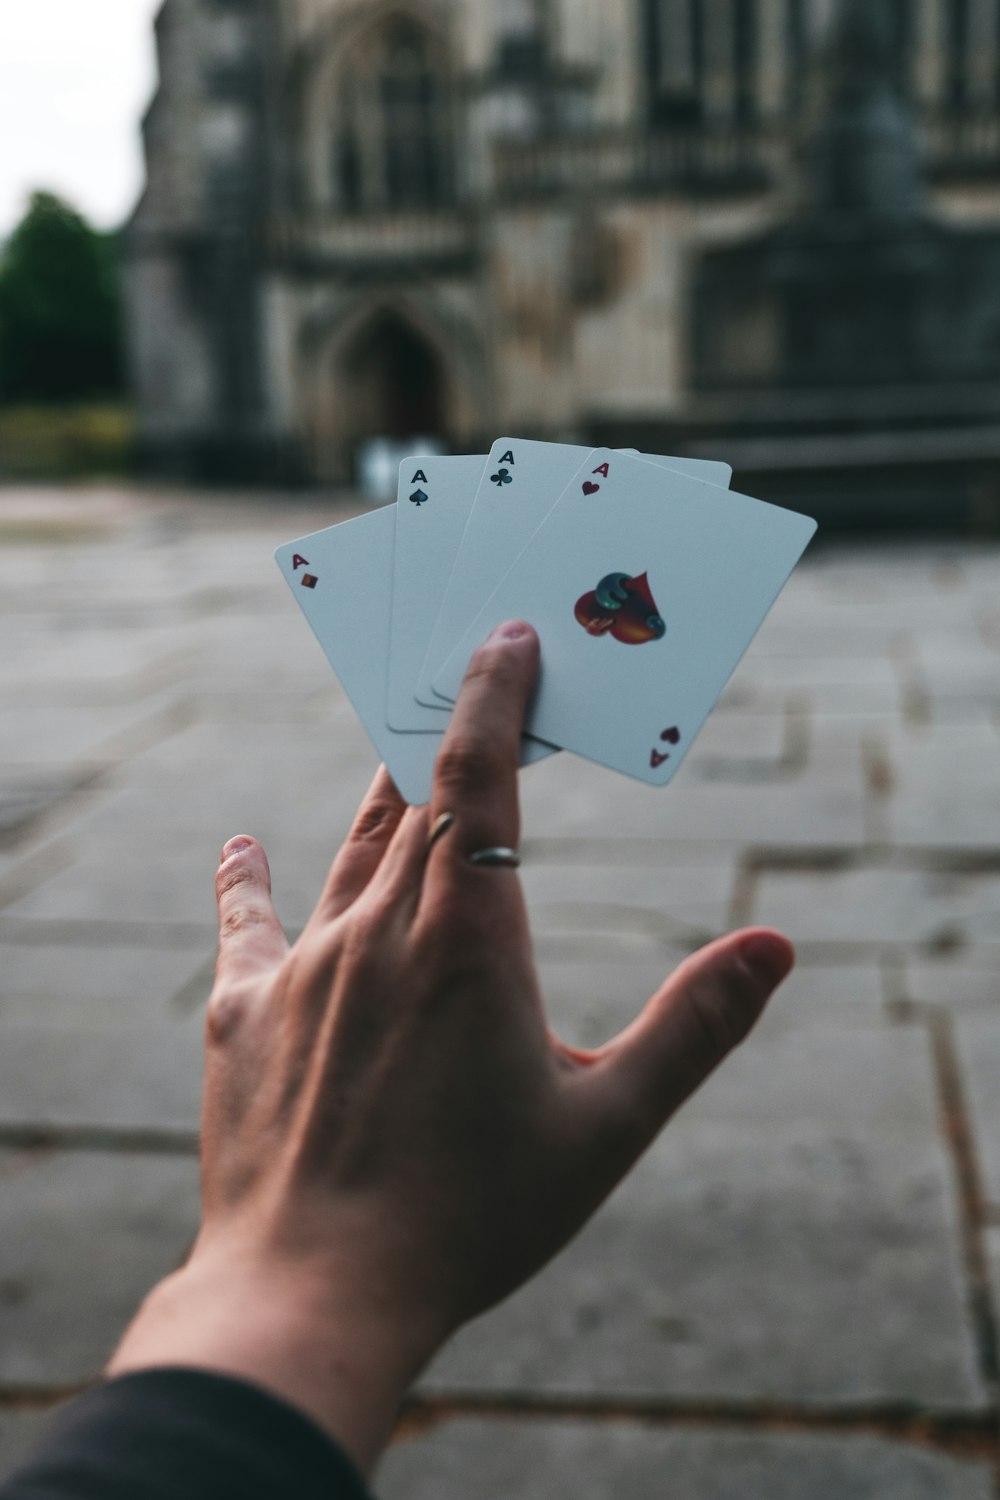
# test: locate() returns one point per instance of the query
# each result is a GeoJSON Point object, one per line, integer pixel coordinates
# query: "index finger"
{"type": "Point", "coordinates": [475, 778]}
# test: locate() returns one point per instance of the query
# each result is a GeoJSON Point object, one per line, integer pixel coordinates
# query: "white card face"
{"type": "Point", "coordinates": [342, 580]}
{"type": "Point", "coordinates": [646, 588]}
{"type": "Point", "coordinates": [521, 482]}
{"type": "Point", "coordinates": [434, 501]}
{"type": "Point", "coordinates": [348, 603]}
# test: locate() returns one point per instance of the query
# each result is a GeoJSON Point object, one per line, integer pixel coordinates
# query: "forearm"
{"type": "Point", "coordinates": [321, 1352]}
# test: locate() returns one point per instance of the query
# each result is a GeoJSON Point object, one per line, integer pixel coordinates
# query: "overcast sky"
{"type": "Point", "coordinates": [75, 77]}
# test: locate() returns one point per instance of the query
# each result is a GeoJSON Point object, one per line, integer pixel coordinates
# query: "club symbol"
{"type": "Point", "coordinates": [502, 478]}
{"type": "Point", "coordinates": [418, 498]}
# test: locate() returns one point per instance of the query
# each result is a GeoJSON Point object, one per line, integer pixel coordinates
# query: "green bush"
{"type": "Point", "coordinates": [65, 442]}
{"type": "Point", "coordinates": [60, 309]}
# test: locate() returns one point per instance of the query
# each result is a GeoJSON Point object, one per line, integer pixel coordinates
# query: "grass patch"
{"type": "Point", "coordinates": [66, 442]}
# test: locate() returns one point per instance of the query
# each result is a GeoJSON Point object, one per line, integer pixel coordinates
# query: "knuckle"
{"type": "Point", "coordinates": [236, 921]}
{"type": "Point", "coordinates": [235, 877]}
{"type": "Point", "coordinates": [458, 935]}
{"type": "Point", "coordinates": [376, 819]}
{"type": "Point", "coordinates": [497, 669]}
{"type": "Point", "coordinates": [226, 1013]}
{"type": "Point", "coordinates": [465, 766]}
{"type": "Point", "coordinates": [718, 1023]}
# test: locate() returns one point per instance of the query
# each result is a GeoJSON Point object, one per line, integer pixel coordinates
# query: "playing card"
{"type": "Point", "coordinates": [342, 580]}
{"type": "Point", "coordinates": [646, 588]}
{"type": "Point", "coordinates": [434, 500]}
{"type": "Point", "coordinates": [521, 482]}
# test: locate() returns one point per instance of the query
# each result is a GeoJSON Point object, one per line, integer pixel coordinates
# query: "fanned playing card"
{"type": "Point", "coordinates": [435, 497]}
{"type": "Point", "coordinates": [646, 588]}
{"type": "Point", "coordinates": [521, 482]}
{"type": "Point", "coordinates": [342, 580]}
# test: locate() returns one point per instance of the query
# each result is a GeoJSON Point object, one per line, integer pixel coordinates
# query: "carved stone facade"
{"type": "Point", "coordinates": [464, 217]}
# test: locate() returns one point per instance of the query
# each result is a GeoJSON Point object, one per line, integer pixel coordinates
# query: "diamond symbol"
{"type": "Point", "coordinates": [308, 581]}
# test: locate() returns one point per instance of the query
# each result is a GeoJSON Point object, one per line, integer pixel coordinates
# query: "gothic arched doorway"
{"type": "Point", "coordinates": [389, 372]}
{"type": "Point", "coordinates": [396, 382]}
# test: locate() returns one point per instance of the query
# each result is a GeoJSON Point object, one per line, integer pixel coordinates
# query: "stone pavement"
{"type": "Point", "coordinates": [794, 1295]}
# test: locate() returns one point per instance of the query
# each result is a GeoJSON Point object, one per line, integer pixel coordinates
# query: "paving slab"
{"type": "Point", "coordinates": [97, 987]}
{"type": "Point", "coordinates": [569, 797]}
{"type": "Point", "coordinates": [945, 785]}
{"type": "Point", "coordinates": [781, 1242]}
{"type": "Point", "coordinates": [85, 1236]}
{"type": "Point", "coordinates": [882, 905]}
{"type": "Point", "coordinates": [671, 899]}
{"type": "Point", "coordinates": [132, 1075]}
{"type": "Point", "coordinates": [20, 1431]}
{"type": "Point", "coordinates": [956, 981]}
{"type": "Point", "coordinates": [149, 854]}
{"type": "Point", "coordinates": [523, 1459]}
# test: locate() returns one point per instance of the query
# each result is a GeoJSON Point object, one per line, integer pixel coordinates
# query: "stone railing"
{"type": "Point", "coordinates": [719, 159]}
{"type": "Point", "coordinates": [714, 159]}
{"type": "Point", "coordinates": [963, 146]}
{"type": "Point", "coordinates": [389, 239]}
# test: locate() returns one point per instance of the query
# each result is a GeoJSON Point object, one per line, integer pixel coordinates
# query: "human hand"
{"type": "Point", "coordinates": [393, 1138]}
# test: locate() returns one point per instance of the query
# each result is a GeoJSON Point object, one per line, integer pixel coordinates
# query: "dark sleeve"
{"type": "Point", "coordinates": [184, 1435]}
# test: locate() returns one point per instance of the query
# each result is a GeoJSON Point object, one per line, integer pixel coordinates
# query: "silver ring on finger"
{"type": "Point", "coordinates": [498, 859]}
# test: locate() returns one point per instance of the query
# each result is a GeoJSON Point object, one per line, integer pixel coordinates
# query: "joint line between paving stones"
{"type": "Point", "coordinates": [118, 1141]}
{"type": "Point", "coordinates": [958, 1434]}
{"type": "Point", "coordinates": [958, 1136]}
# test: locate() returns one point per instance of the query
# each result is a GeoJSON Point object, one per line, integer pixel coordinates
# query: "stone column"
{"type": "Point", "coordinates": [676, 60]}
{"type": "Point", "coordinates": [719, 22]}
{"type": "Point", "coordinates": [981, 52]}
{"type": "Point", "coordinates": [930, 51]}
{"type": "Point", "coordinates": [772, 58]}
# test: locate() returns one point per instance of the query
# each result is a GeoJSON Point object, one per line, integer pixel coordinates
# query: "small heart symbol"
{"type": "Point", "coordinates": [672, 736]}
{"type": "Point", "coordinates": [590, 489]}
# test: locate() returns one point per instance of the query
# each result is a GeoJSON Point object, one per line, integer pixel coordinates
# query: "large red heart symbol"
{"type": "Point", "coordinates": [590, 489]}
{"type": "Point", "coordinates": [623, 607]}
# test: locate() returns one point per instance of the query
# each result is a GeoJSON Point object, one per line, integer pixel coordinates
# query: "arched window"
{"type": "Point", "coordinates": [392, 146]}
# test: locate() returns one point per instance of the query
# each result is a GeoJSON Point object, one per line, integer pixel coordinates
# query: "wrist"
{"type": "Point", "coordinates": [316, 1344]}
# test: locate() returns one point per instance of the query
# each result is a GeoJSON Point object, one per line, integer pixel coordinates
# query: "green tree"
{"type": "Point", "coordinates": [60, 308]}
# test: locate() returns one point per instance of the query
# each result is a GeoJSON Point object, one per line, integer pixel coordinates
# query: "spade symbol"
{"type": "Point", "coordinates": [418, 498]}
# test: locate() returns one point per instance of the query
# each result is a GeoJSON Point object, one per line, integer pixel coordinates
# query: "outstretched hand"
{"type": "Point", "coordinates": [393, 1138]}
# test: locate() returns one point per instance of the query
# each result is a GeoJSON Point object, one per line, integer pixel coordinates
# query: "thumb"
{"type": "Point", "coordinates": [704, 1010]}
{"type": "Point", "coordinates": [250, 936]}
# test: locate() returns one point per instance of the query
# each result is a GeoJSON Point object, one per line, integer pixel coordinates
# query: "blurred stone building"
{"type": "Point", "coordinates": [763, 228]}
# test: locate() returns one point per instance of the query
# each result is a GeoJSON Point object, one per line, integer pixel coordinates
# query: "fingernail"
{"type": "Point", "coordinates": [510, 630]}
{"type": "Point", "coordinates": [235, 846]}
{"type": "Point", "coordinates": [768, 957]}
